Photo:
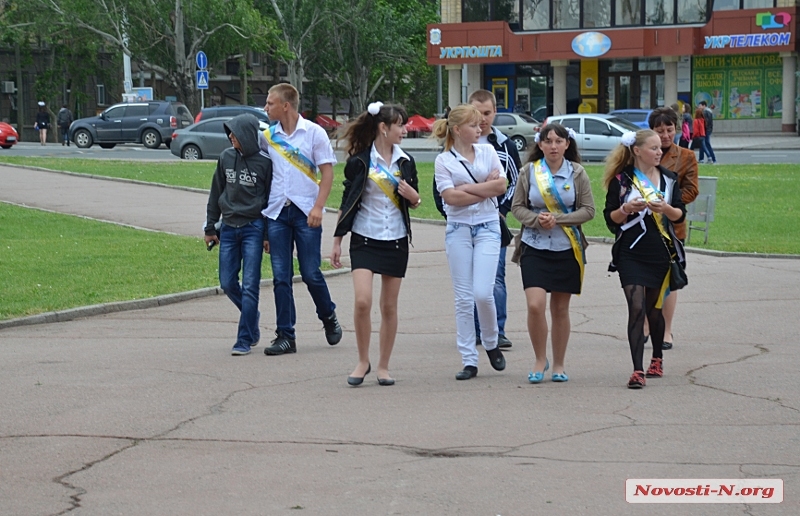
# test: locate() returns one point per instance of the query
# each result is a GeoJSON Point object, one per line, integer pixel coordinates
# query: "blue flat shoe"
{"type": "Point", "coordinates": [539, 376]}
{"type": "Point", "coordinates": [560, 377]}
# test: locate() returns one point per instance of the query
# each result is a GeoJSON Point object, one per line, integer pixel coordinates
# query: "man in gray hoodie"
{"type": "Point", "coordinates": [239, 191]}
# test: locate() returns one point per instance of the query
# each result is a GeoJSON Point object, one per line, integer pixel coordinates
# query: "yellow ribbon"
{"type": "Point", "coordinates": [386, 182]}
{"type": "Point", "coordinates": [649, 193]}
{"type": "Point", "coordinates": [292, 155]}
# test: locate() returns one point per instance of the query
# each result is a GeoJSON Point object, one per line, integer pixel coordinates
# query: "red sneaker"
{"type": "Point", "coordinates": [637, 380]}
{"type": "Point", "coordinates": [655, 370]}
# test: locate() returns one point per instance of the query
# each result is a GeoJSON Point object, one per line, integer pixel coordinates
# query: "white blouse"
{"type": "Point", "coordinates": [379, 218]}
{"type": "Point", "coordinates": [450, 172]}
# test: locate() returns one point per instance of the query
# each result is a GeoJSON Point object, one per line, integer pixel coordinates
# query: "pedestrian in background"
{"type": "Point", "coordinates": [239, 191]}
{"type": "Point", "coordinates": [469, 176]}
{"type": "Point", "coordinates": [380, 185]}
{"type": "Point", "coordinates": [643, 200]}
{"type": "Point", "coordinates": [699, 133]}
{"type": "Point", "coordinates": [302, 160]}
{"type": "Point", "coordinates": [485, 102]}
{"type": "Point", "coordinates": [42, 122]}
{"type": "Point", "coordinates": [64, 119]}
{"type": "Point", "coordinates": [708, 118]}
{"type": "Point", "coordinates": [553, 199]}
{"type": "Point", "coordinates": [686, 127]}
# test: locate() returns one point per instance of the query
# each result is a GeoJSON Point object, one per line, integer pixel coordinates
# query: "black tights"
{"type": "Point", "coordinates": [642, 302]}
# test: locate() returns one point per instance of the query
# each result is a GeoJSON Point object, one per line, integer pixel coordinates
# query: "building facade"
{"type": "Point", "coordinates": [549, 57]}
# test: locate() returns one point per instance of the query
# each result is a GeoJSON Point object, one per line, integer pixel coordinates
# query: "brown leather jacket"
{"type": "Point", "coordinates": [684, 163]}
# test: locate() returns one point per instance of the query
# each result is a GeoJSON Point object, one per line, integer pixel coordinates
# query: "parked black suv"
{"type": "Point", "coordinates": [226, 111]}
{"type": "Point", "coordinates": [150, 123]}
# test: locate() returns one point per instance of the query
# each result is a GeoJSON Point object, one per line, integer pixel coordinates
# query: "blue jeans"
{"type": "Point", "coordinates": [290, 229]}
{"type": "Point", "coordinates": [500, 296]}
{"type": "Point", "coordinates": [709, 150]}
{"type": "Point", "coordinates": [241, 249]}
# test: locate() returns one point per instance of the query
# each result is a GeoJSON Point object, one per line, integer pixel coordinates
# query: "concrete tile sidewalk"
{"type": "Point", "coordinates": [145, 412]}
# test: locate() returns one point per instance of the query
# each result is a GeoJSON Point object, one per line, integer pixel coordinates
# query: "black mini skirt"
{"type": "Point", "coordinates": [386, 257]}
{"type": "Point", "coordinates": [553, 271]}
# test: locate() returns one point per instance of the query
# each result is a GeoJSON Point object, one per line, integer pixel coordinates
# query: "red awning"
{"type": "Point", "coordinates": [419, 123]}
{"type": "Point", "coordinates": [327, 122]}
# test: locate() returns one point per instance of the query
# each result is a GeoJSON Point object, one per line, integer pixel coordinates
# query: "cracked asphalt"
{"type": "Point", "coordinates": [145, 411]}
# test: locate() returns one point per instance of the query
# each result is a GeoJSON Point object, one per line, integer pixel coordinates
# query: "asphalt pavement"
{"type": "Point", "coordinates": [145, 411]}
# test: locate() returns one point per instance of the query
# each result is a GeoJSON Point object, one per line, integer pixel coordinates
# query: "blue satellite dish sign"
{"type": "Point", "coordinates": [591, 44]}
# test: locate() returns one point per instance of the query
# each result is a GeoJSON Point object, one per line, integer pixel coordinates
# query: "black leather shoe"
{"type": "Point", "coordinates": [666, 345]}
{"type": "Point", "coordinates": [333, 332]}
{"type": "Point", "coordinates": [358, 380]}
{"type": "Point", "coordinates": [385, 381]}
{"type": "Point", "coordinates": [281, 346]}
{"type": "Point", "coordinates": [503, 342]}
{"type": "Point", "coordinates": [467, 373]}
{"type": "Point", "coordinates": [496, 359]}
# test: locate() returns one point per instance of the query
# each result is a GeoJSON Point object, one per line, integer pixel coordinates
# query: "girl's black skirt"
{"type": "Point", "coordinates": [386, 257]}
{"type": "Point", "coordinates": [553, 271]}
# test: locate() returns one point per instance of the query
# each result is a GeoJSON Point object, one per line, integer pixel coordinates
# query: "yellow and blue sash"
{"type": "Point", "coordinates": [292, 154]}
{"type": "Point", "coordinates": [552, 199]}
{"type": "Point", "coordinates": [650, 193]}
{"type": "Point", "coordinates": [386, 181]}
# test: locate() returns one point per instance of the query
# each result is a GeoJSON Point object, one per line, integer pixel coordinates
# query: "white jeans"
{"type": "Point", "coordinates": [472, 253]}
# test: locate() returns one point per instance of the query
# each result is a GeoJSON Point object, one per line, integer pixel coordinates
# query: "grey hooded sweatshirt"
{"type": "Point", "coordinates": [242, 180]}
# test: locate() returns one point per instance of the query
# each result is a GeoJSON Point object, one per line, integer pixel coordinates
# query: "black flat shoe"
{"type": "Point", "coordinates": [666, 345]}
{"type": "Point", "coordinates": [467, 373]}
{"type": "Point", "coordinates": [385, 381]}
{"type": "Point", "coordinates": [355, 381]}
{"type": "Point", "coordinates": [496, 359]}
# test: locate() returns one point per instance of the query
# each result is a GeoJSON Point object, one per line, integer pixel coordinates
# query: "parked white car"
{"type": "Point", "coordinates": [597, 133]}
{"type": "Point", "coordinates": [520, 127]}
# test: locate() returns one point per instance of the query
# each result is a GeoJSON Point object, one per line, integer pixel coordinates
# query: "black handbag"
{"type": "Point", "coordinates": [505, 233]}
{"type": "Point", "coordinates": [677, 275]}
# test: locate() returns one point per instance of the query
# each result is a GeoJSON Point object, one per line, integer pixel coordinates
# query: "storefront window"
{"type": "Point", "coordinates": [535, 14]}
{"type": "Point", "coordinates": [566, 14]}
{"type": "Point", "coordinates": [629, 12]}
{"type": "Point", "coordinates": [490, 10]}
{"type": "Point", "coordinates": [597, 13]}
{"type": "Point", "coordinates": [651, 63]}
{"type": "Point", "coordinates": [755, 4]}
{"type": "Point", "coordinates": [691, 11]}
{"type": "Point", "coordinates": [660, 12]}
{"type": "Point", "coordinates": [726, 5]}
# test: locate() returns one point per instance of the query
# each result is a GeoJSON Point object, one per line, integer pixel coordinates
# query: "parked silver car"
{"type": "Point", "coordinates": [204, 140]}
{"type": "Point", "coordinates": [520, 127]}
{"type": "Point", "coordinates": [597, 133]}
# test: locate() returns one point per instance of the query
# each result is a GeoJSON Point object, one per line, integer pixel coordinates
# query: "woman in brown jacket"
{"type": "Point", "coordinates": [553, 198]}
{"type": "Point", "coordinates": [684, 163]}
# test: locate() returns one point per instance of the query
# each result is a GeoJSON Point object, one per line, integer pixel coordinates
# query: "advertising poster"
{"type": "Point", "coordinates": [739, 87]}
{"type": "Point", "coordinates": [744, 97]}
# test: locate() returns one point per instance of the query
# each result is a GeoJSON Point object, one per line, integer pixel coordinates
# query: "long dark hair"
{"type": "Point", "coordinates": [361, 132]}
{"type": "Point", "coordinates": [571, 154]}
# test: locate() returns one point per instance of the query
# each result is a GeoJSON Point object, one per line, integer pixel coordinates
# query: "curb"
{"type": "Point", "coordinates": [137, 304]}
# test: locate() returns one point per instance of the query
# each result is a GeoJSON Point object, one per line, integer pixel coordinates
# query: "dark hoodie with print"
{"type": "Point", "coordinates": [242, 180]}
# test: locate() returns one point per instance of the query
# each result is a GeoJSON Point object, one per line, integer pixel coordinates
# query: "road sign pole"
{"type": "Point", "coordinates": [202, 99]}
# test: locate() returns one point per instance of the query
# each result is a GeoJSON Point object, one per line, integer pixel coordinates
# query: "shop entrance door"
{"type": "Point", "coordinates": [628, 91]}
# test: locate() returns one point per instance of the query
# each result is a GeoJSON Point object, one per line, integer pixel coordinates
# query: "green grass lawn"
{"type": "Point", "coordinates": [753, 201]}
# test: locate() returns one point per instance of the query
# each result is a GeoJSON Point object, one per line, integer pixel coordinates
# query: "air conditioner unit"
{"type": "Point", "coordinates": [7, 87]}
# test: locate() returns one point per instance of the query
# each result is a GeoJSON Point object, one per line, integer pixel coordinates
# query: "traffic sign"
{"type": "Point", "coordinates": [202, 79]}
{"type": "Point", "coordinates": [202, 60]}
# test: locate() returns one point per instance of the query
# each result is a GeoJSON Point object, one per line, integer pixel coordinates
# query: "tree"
{"type": "Point", "coordinates": [361, 42]}
{"type": "Point", "coordinates": [165, 35]}
{"type": "Point", "coordinates": [297, 21]}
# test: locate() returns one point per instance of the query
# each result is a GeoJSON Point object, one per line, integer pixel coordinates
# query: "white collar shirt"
{"type": "Point", "coordinates": [378, 217]}
{"type": "Point", "coordinates": [450, 172]}
{"type": "Point", "coordinates": [555, 239]}
{"type": "Point", "coordinates": [289, 183]}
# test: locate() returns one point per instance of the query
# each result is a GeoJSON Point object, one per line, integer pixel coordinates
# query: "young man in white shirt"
{"type": "Point", "coordinates": [303, 161]}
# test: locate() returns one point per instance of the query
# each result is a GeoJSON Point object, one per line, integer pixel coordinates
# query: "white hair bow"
{"type": "Point", "coordinates": [536, 137]}
{"type": "Point", "coordinates": [375, 108]}
{"type": "Point", "coordinates": [571, 133]}
{"type": "Point", "coordinates": [628, 138]}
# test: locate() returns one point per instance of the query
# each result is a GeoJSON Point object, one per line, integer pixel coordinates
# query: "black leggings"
{"type": "Point", "coordinates": [642, 302]}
